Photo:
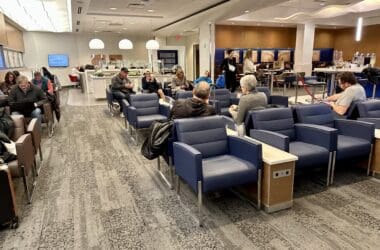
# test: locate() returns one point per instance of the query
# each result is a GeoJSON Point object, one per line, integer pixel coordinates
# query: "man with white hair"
{"type": "Point", "coordinates": [249, 100]}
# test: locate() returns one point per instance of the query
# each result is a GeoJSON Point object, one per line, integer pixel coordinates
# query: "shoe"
{"type": "Point", "coordinates": [122, 115]}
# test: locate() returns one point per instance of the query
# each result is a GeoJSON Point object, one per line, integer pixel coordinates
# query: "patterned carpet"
{"type": "Point", "coordinates": [96, 191]}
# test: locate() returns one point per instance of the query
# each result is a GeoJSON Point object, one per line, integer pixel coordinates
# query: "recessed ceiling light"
{"type": "Point", "coordinates": [125, 28]}
{"type": "Point", "coordinates": [246, 11]}
{"type": "Point", "coordinates": [322, 4]}
{"type": "Point", "coordinates": [131, 23]}
{"type": "Point", "coordinates": [113, 8]}
{"type": "Point", "coordinates": [150, 10]}
{"type": "Point", "coordinates": [96, 31]}
{"type": "Point", "coordinates": [232, 23]}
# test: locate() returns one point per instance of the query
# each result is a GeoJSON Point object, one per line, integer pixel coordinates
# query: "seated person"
{"type": "Point", "coordinates": [42, 82]}
{"type": "Point", "coordinates": [205, 78]}
{"type": "Point", "coordinates": [195, 106]}
{"type": "Point", "coordinates": [26, 92]}
{"type": "Point", "coordinates": [9, 82]}
{"type": "Point", "coordinates": [179, 82]}
{"type": "Point", "coordinates": [249, 100]}
{"type": "Point", "coordinates": [150, 84]}
{"type": "Point", "coordinates": [121, 87]}
{"type": "Point", "coordinates": [352, 91]}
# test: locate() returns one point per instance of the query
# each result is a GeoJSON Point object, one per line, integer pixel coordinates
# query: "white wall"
{"type": "Point", "coordinates": [187, 42]}
{"type": "Point", "coordinates": [39, 44]}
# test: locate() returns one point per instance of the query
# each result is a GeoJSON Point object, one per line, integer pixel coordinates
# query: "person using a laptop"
{"type": "Point", "coordinates": [26, 98]}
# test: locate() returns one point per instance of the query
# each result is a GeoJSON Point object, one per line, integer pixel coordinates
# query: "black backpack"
{"type": "Point", "coordinates": [156, 143]}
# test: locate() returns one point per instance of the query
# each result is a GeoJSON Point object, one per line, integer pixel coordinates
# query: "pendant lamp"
{"type": "Point", "coordinates": [152, 44]}
{"type": "Point", "coordinates": [125, 44]}
{"type": "Point", "coordinates": [96, 44]}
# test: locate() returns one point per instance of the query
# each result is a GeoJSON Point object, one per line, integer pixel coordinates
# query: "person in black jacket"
{"type": "Point", "coordinates": [229, 66]}
{"type": "Point", "coordinates": [121, 87]}
{"type": "Point", "coordinates": [195, 106]}
{"type": "Point", "coordinates": [27, 92]}
{"type": "Point", "coordinates": [150, 84]}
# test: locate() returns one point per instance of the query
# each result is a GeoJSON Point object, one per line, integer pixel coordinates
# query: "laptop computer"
{"type": "Point", "coordinates": [24, 108]}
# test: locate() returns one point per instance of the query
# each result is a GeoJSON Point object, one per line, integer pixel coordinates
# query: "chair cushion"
{"type": "Point", "coordinates": [226, 171]}
{"type": "Point", "coordinates": [351, 147]}
{"type": "Point", "coordinates": [146, 120]}
{"type": "Point", "coordinates": [224, 111]}
{"type": "Point", "coordinates": [309, 154]}
{"type": "Point", "coordinates": [319, 114]}
{"type": "Point", "coordinates": [369, 109]}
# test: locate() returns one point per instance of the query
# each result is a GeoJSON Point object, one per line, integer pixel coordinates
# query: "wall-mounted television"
{"type": "Point", "coordinates": [58, 60]}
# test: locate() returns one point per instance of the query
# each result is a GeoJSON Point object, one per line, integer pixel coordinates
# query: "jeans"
{"type": "Point", "coordinates": [119, 96]}
{"type": "Point", "coordinates": [36, 113]}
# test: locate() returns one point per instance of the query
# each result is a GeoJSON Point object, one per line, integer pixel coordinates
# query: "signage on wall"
{"type": "Point", "coordinates": [169, 58]}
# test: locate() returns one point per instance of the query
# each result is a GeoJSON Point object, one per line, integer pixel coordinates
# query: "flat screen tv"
{"type": "Point", "coordinates": [58, 60]}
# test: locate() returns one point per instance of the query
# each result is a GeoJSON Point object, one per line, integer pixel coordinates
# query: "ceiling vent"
{"type": "Point", "coordinates": [136, 5]}
{"type": "Point", "coordinates": [115, 24]}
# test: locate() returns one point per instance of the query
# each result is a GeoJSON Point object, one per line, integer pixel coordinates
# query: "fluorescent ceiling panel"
{"type": "Point", "coordinates": [39, 15]}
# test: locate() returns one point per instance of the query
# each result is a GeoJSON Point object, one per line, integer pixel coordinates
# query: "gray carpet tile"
{"type": "Point", "coordinates": [95, 191]}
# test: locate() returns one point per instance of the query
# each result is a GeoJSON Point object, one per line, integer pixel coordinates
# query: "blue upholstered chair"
{"type": "Point", "coordinates": [281, 101]}
{"type": "Point", "coordinates": [369, 111]}
{"type": "Point", "coordinates": [207, 159]}
{"type": "Point", "coordinates": [223, 99]}
{"type": "Point", "coordinates": [314, 145]}
{"type": "Point", "coordinates": [355, 138]}
{"type": "Point", "coordinates": [183, 95]}
{"type": "Point", "coordinates": [109, 97]}
{"type": "Point", "coordinates": [143, 109]}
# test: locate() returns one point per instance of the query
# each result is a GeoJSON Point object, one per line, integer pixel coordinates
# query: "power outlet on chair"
{"type": "Point", "coordinates": [282, 173]}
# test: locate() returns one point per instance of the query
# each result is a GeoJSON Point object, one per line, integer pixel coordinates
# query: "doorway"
{"type": "Point", "coordinates": [196, 61]}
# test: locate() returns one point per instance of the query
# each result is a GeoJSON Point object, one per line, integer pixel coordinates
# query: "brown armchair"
{"type": "Point", "coordinates": [35, 130]}
{"type": "Point", "coordinates": [24, 166]}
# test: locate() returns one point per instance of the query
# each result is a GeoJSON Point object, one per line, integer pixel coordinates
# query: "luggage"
{"type": "Point", "coordinates": [8, 213]}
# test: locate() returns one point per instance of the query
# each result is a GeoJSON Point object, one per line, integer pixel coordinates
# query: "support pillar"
{"type": "Point", "coordinates": [207, 48]}
{"type": "Point", "coordinates": [303, 55]}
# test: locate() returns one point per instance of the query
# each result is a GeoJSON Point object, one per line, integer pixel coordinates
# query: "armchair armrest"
{"type": "Point", "coordinates": [359, 129]}
{"type": "Point", "coordinates": [246, 150]}
{"type": "Point", "coordinates": [48, 112]}
{"type": "Point", "coordinates": [279, 100]}
{"type": "Point", "coordinates": [125, 105]}
{"type": "Point", "coordinates": [25, 152]}
{"type": "Point", "coordinates": [132, 115]}
{"type": "Point", "coordinates": [188, 163]}
{"type": "Point", "coordinates": [319, 135]}
{"type": "Point", "coordinates": [271, 138]}
{"type": "Point", "coordinates": [375, 121]}
{"type": "Point", "coordinates": [230, 123]}
{"type": "Point", "coordinates": [165, 110]}
{"type": "Point", "coordinates": [234, 100]}
{"type": "Point", "coordinates": [35, 130]}
{"type": "Point", "coordinates": [216, 105]}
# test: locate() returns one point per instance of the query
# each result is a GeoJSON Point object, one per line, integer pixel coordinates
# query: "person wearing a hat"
{"type": "Point", "coordinates": [121, 86]}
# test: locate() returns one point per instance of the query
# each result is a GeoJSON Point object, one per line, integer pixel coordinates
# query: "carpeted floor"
{"type": "Point", "coordinates": [96, 191]}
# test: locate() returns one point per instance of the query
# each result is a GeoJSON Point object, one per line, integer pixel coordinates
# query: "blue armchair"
{"type": "Point", "coordinates": [369, 111]}
{"type": "Point", "coordinates": [183, 95]}
{"type": "Point", "coordinates": [314, 145]}
{"type": "Point", "coordinates": [208, 159]}
{"type": "Point", "coordinates": [281, 101]}
{"type": "Point", "coordinates": [222, 99]}
{"type": "Point", "coordinates": [143, 109]}
{"type": "Point", "coordinates": [355, 138]}
{"type": "Point", "coordinates": [109, 97]}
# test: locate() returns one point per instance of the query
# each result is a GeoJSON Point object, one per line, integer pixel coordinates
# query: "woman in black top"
{"type": "Point", "coordinates": [150, 84]}
{"type": "Point", "coordinates": [229, 66]}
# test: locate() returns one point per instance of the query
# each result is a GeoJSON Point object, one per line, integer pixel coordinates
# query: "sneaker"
{"type": "Point", "coordinates": [122, 114]}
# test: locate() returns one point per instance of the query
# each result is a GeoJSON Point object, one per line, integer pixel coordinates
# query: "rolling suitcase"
{"type": "Point", "coordinates": [8, 213]}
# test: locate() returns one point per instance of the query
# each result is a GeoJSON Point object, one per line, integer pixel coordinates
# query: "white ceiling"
{"type": "Point", "coordinates": [97, 15]}
{"type": "Point", "coordinates": [328, 13]}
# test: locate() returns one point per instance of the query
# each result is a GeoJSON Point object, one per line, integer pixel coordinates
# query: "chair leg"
{"type": "Point", "coordinates": [39, 149]}
{"type": "Point", "coordinates": [171, 169]}
{"type": "Point", "coordinates": [331, 155]}
{"type": "Point", "coordinates": [333, 168]}
{"type": "Point", "coordinates": [259, 190]}
{"type": "Point", "coordinates": [158, 164]}
{"type": "Point", "coordinates": [370, 160]}
{"type": "Point", "coordinates": [136, 138]}
{"type": "Point", "coordinates": [26, 186]}
{"type": "Point", "coordinates": [178, 184]}
{"type": "Point", "coordinates": [200, 204]}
